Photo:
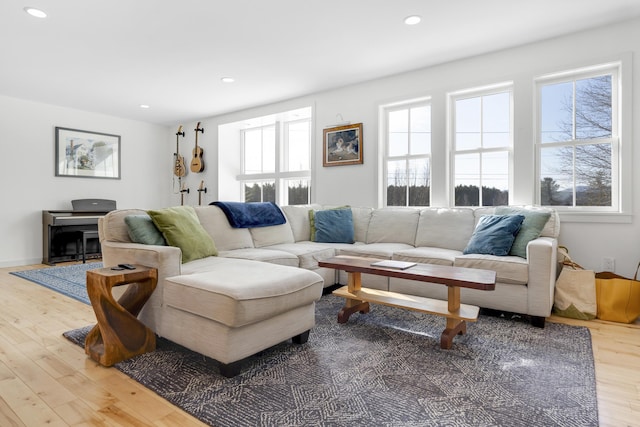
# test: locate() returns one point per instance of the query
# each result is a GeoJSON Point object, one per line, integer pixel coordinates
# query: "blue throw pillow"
{"type": "Point", "coordinates": [494, 235]}
{"type": "Point", "coordinates": [334, 226]}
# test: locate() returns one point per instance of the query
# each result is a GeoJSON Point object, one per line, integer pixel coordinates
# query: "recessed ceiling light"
{"type": "Point", "coordinates": [412, 20]}
{"type": "Point", "coordinates": [35, 12]}
{"type": "Point", "coordinates": [145, 106]}
{"type": "Point", "coordinates": [228, 80]}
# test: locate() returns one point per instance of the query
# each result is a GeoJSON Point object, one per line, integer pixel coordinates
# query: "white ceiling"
{"type": "Point", "coordinates": [111, 56]}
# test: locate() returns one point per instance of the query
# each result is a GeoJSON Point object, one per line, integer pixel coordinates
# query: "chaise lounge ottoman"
{"type": "Point", "coordinates": [239, 309]}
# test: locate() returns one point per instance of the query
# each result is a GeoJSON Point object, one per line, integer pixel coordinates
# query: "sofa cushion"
{"type": "Point", "coordinates": [227, 238]}
{"type": "Point", "coordinates": [445, 228]}
{"type": "Point", "coordinates": [534, 222]}
{"type": "Point", "coordinates": [494, 234]}
{"type": "Point", "coordinates": [375, 250]}
{"type": "Point", "coordinates": [180, 227]}
{"type": "Point", "coordinates": [427, 255]}
{"type": "Point", "coordinates": [143, 230]}
{"type": "Point", "coordinates": [333, 226]}
{"type": "Point", "coordinates": [509, 269]}
{"type": "Point", "coordinates": [273, 235]}
{"type": "Point", "coordinates": [308, 253]}
{"type": "Point", "coordinates": [239, 292]}
{"type": "Point", "coordinates": [298, 219]}
{"type": "Point", "coordinates": [262, 254]}
{"type": "Point", "coordinates": [393, 225]}
{"type": "Point", "coordinates": [361, 219]}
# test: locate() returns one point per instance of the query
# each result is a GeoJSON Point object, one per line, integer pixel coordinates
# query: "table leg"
{"type": "Point", "coordinates": [354, 284]}
{"type": "Point", "coordinates": [454, 326]}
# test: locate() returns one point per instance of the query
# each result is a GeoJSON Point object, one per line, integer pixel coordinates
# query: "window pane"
{"type": "Point", "coordinates": [396, 183]}
{"type": "Point", "coordinates": [556, 112]}
{"type": "Point", "coordinates": [297, 191]}
{"type": "Point", "coordinates": [593, 108]}
{"type": "Point", "coordinates": [421, 130]}
{"type": "Point", "coordinates": [495, 178]}
{"type": "Point", "coordinates": [298, 146]}
{"type": "Point", "coordinates": [495, 120]}
{"type": "Point", "coordinates": [556, 176]}
{"type": "Point", "coordinates": [467, 179]}
{"type": "Point", "coordinates": [467, 122]}
{"type": "Point", "coordinates": [399, 121]}
{"type": "Point", "coordinates": [269, 149]}
{"type": "Point", "coordinates": [418, 180]}
{"type": "Point", "coordinates": [253, 151]}
{"type": "Point", "coordinates": [593, 175]}
{"type": "Point", "coordinates": [260, 191]}
{"type": "Point", "coordinates": [398, 143]}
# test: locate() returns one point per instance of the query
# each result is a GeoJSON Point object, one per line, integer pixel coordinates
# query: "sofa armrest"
{"type": "Point", "coordinates": [542, 256]}
{"type": "Point", "coordinates": [167, 259]}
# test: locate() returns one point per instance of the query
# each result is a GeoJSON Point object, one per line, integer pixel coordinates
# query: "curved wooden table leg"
{"type": "Point", "coordinates": [119, 334]}
{"type": "Point", "coordinates": [348, 310]}
{"type": "Point", "coordinates": [454, 327]}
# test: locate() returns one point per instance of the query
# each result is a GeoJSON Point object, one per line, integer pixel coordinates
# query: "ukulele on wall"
{"type": "Point", "coordinates": [179, 169]}
{"type": "Point", "coordinates": [197, 164]}
{"type": "Point", "coordinates": [201, 189]}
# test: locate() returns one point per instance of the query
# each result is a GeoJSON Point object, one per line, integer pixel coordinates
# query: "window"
{"type": "Point", "coordinates": [578, 139]}
{"type": "Point", "coordinates": [407, 161]}
{"type": "Point", "coordinates": [276, 158]}
{"type": "Point", "coordinates": [482, 143]}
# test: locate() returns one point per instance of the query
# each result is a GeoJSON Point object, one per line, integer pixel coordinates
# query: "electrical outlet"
{"type": "Point", "coordinates": [608, 264]}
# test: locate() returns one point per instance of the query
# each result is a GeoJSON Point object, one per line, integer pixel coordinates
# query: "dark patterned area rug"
{"type": "Point", "coordinates": [386, 368]}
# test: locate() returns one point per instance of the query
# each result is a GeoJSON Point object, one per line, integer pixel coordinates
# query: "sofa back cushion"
{"type": "Point", "coordinates": [272, 235]}
{"type": "Point", "coordinates": [298, 219]}
{"type": "Point", "coordinates": [393, 225]}
{"type": "Point", "coordinates": [227, 238]}
{"type": "Point", "coordinates": [446, 228]}
{"type": "Point", "coordinates": [113, 227]}
{"type": "Point", "coordinates": [361, 220]}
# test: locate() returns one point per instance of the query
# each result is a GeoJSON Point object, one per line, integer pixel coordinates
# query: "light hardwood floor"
{"type": "Point", "coordinates": [46, 380]}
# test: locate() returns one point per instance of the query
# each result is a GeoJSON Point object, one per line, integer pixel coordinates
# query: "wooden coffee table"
{"type": "Point", "coordinates": [457, 314]}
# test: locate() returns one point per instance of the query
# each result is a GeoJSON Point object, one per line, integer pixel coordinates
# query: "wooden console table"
{"type": "Point", "coordinates": [358, 298]}
{"type": "Point", "coordinates": [119, 334]}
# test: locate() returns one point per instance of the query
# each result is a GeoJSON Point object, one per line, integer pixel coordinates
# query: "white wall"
{"type": "Point", "coordinates": [28, 180]}
{"type": "Point", "coordinates": [588, 242]}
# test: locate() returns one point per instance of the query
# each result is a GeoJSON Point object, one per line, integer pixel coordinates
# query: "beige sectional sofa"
{"type": "Point", "coordinates": [427, 235]}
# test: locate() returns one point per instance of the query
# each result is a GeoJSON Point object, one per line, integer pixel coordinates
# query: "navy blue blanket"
{"type": "Point", "coordinates": [251, 215]}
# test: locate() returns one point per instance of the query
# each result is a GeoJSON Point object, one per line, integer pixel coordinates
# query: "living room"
{"type": "Point", "coordinates": [147, 180]}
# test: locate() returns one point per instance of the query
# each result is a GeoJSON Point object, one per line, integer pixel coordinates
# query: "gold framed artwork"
{"type": "Point", "coordinates": [342, 145]}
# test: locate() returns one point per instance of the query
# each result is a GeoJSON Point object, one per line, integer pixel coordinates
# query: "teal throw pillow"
{"type": "Point", "coordinates": [334, 226]}
{"type": "Point", "coordinates": [312, 220]}
{"type": "Point", "coordinates": [181, 228]}
{"type": "Point", "coordinates": [494, 234]}
{"type": "Point", "coordinates": [534, 222]}
{"type": "Point", "coordinates": [142, 230]}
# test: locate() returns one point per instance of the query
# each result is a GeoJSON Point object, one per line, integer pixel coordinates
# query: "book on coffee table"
{"type": "Point", "coordinates": [389, 263]}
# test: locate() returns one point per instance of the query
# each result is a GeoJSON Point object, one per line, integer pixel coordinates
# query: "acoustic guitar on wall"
{"type": "Point", "coordinates": [197, 164]}
{"type": "Point", "coordinates": [179, 168]}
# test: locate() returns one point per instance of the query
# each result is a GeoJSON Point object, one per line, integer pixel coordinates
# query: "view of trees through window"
{"type": "Point", "coordinates": [408, 155]}
{"type": "Point", "coordinates": [276, 160]}
{"type": "Point", "coordinates": [482, 143]}
{"type": "Point", "coordinates": [577, 136]}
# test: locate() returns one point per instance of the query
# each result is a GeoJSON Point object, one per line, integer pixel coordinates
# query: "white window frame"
{"type": "Point", "coordinates": [619, 211]}
{"type": "Point", "coordinates": [280, 176]}
{"type": "Point", "coordinates": [505, 87]}
{"type": "Point", "coordinates": [386, 158]}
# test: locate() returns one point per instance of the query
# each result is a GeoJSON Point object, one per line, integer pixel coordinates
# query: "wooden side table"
{"type": "Point", "coordinates": [119, 334]}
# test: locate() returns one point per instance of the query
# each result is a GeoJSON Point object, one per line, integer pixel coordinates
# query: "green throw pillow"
{"type": "Point", "coordinates": [534, 222]}
{"type": "Point", "coordinates": [312, 220]}
{"type": "Point", "coordinates": [181, 228]}
{"type": "Point", "coordinates": [142, 230]}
